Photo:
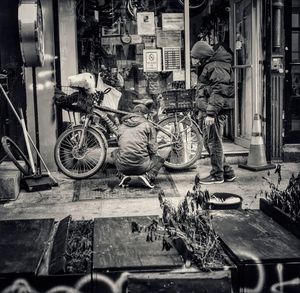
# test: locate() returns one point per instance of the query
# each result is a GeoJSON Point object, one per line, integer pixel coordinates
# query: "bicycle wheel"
{"type": "Point", "coordinates": [80, 163]}
{"type": "Point", "coordinates": [15, 154]}
{"type": "Point", "coordinates": [186, 141]}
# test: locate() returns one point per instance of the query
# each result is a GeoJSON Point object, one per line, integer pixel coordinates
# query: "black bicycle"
{"type": "Point", "coordinates": [81, 150]}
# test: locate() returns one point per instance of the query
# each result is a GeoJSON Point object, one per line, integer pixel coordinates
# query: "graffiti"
{"type": "Point", "coordinates": [261, 273]}
{"type": "Point", "coordinates": [22, 286]}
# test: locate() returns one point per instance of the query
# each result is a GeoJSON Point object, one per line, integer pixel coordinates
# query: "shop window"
{"type": "Point", "coordinates": [138, 46]}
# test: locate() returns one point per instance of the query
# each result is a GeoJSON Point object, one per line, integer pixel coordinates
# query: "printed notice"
{"type": "Point", "coordinates": [145, 23]}
{"type": "Point", "coordinates": [171, 59]}
{"type": "Point", "coordinates": [172, 21]}
{"type": "Point", "coordinates": [168, 38]}
{"type": "Point", "coordinates": [152, 60]}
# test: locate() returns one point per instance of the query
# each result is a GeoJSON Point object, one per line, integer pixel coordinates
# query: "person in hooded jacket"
{"type": "Point", "coordinates": [215, 96]}
{"type": "Point", "coordinates": [138, 151]}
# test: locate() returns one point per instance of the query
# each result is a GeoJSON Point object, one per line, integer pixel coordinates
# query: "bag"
{"type": "Point", "coordinates": [83, 80]}
{"type": "Point", "coordinates": [111, 99]}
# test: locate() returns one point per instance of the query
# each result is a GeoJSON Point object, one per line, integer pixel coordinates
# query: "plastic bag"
{"type": "Point", "coordinates": [110, 99]}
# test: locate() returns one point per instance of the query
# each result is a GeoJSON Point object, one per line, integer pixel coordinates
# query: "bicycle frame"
{"type": "Point", "coordinates": [100, 109]}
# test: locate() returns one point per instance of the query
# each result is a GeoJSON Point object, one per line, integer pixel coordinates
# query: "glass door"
{"type": "Point", "coordinates": [292, 96]}
{"type": "Point", "coordinates": [243, 71]}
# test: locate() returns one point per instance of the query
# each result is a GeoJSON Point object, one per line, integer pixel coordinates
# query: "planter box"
{"type": "Point", "coordinates": [280, 217]}
{"type": "Point", "coordinates": [180, 282]}
{"type": "Point", "coordinates": [264, 252]}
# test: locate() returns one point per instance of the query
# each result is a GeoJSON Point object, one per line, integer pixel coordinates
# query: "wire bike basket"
{"type": "Point", "coordinates": [178, 100]}
{"type": "Point", "coordinates": [76, 99]}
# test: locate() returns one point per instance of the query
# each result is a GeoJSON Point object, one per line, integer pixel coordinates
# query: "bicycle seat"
{"type": "Point", "coordinates": [146, 102]}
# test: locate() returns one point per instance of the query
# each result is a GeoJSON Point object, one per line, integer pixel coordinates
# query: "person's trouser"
{"type": "Point", "coordinates": [212, 136]}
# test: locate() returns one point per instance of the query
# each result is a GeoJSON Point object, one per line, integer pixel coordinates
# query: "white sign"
{"type": "Point", "coordinates": [145, 23]}
{"type": "Point", "coordinates": [152, 60]}
{"type": "Point", "coordinates": [172, 21]}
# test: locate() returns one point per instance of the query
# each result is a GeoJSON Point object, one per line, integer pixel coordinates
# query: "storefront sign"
{"type": "Point", "coordinates": [171, 59]}
{"type": "Point", "coordinates": [168, 38]}
{"type": "Point", "coordinates": [152, 60]}
{"type": "Point", "coordinates": [172, 21]}
{"type": "Point", "coordinates": [145, 23]}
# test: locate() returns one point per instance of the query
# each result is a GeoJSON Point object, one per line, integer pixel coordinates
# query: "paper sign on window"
{"type": "Point", "coordinates": [172, 21]}
{"type": "Point", "coordinates": [145, 23]}
{"type": "Point", "coordinates": [152, 60]}
{"type": "Point", "coordinates": [171, 59]}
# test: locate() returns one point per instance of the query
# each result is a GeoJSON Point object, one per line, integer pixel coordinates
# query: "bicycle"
{"type": "Point", "coordinates": [81, 150]}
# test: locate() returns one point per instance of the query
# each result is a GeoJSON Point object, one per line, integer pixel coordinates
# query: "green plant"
{"type": "Point", "coordinates": [79, 247]}
{"type": "Point", "coordinates": [192, 225]}
{"type": "Point", "coordinates": [288, 200]}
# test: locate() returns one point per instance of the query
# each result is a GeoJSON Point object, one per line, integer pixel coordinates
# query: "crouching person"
{"type": "Point", "coordinates": [137, 153]}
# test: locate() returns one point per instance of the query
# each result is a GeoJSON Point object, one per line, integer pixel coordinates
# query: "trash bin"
{"type": "Point", "coordinates": [223, 201]}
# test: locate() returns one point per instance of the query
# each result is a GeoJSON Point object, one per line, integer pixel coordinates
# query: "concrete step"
{"type": "Point", "coordinates": [10, 178]}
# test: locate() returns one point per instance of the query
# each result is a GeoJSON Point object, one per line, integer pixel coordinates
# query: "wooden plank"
{"type": "Point", "coordinates": [180, 282]}
{"type": "Point", "coordinates": [250, 233]}
{"type": "Point", "coordinates": [117, 248]}
{"type": "Point", "coordinates": [57, 258]}
{"type": "Point", "coordinates": [22, 244]}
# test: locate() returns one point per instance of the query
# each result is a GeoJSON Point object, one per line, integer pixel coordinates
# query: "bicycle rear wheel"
{"type": "Point", "coordinates": [80, 163]}
{"type": "Point", "coordinates": [15, 154]}
{"type": "Point", "coordinates": [186, 143]}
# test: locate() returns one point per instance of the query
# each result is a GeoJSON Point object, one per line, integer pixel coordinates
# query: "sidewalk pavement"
{"type": "Point", "coordinates": [57, 203]}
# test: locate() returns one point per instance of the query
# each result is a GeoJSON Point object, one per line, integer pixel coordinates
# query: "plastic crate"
{"type": "Point", "coordinates": [178, 100]}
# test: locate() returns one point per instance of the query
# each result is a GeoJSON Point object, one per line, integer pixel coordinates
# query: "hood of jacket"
{"type": "Point", "coordinates": [133, 120]}
{"type": "Point", "coordinates": [221, 54]}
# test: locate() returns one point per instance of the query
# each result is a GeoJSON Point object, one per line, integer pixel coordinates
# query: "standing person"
{"type": "Point", "coordinates": [137, 153]}
{"type": "Point", "coordinates": [214, 98]}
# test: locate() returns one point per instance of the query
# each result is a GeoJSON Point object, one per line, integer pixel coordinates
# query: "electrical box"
{"type": "Point", "coordinates": [277, 64]}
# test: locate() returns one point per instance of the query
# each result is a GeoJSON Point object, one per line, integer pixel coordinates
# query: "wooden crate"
{"type": "Point", "coordinates": [265, 253]}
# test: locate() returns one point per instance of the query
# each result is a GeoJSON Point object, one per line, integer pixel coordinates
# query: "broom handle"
{"type": "Point", "coordinates": [27, 141]}
{"type": "Point", "coordinates": [18, 118]}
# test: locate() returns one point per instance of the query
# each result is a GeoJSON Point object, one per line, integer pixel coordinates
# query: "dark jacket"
{"type": "Point", "coordinates": [137, 143]}
{"type": "Point", "coordinates": [215, 89]}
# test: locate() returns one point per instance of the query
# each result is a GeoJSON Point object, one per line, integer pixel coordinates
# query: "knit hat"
{"type": "Point", "coordinates": [201, 50]}
{"type": "Point", "coordinates": [140, 108]}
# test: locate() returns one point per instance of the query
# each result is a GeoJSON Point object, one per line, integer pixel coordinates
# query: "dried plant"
{"type": "Point", "coordinates": [288, 200]}
{"type": "Point", "coordinates": [79, 247]}
{"type": "Point", "coordinates": [190, 224]}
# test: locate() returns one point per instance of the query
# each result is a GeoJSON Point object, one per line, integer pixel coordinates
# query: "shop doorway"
{"type": "Point", "coordinates": [243, 68]}
{"type": "Point", "coordinates": [292, 80]}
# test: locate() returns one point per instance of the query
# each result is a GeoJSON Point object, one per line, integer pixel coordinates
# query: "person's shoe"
{"type": "Point", "coordinates": [211, 180]}
{"type": "Point", "coordinates": [124, 181]}
{"type": "Point", "coordinates": [229, 178]}
{"type": "Point", "coordinates": [145, 179]}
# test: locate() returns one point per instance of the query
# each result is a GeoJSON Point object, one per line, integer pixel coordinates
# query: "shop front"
{"type": "Point", "coordinates": [142, 49]}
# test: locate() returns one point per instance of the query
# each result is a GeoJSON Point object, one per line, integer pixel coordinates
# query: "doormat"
{"type": "Point", "coordinates": [108, 188]}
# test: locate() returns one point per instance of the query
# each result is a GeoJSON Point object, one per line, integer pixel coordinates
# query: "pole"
{"type": "Point", "coordinates": [187, 44]}
{"type": "Point", "coordinates": [36, 118]}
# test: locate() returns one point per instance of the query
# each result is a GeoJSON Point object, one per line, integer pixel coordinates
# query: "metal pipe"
{"type": "Point", "coordinates": [277, 22]}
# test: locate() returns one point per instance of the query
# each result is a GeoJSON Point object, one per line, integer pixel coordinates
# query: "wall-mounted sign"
{"type": "Point", "coordinates": [31, 32]}
{"type": "Point", "coordinates": [172, 21]}
{"type": "Point", "coordinates": [152, 60]}
{"type": "Point", "coordinates": [171, 59]}
{"type": "Point", "coordinates": [145, 23]}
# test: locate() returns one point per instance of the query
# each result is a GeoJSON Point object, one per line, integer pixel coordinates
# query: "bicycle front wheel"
{"type": "Point", "coordinates": [184, 140]}
{"type": "Point", "coordinates": [84, 162]}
